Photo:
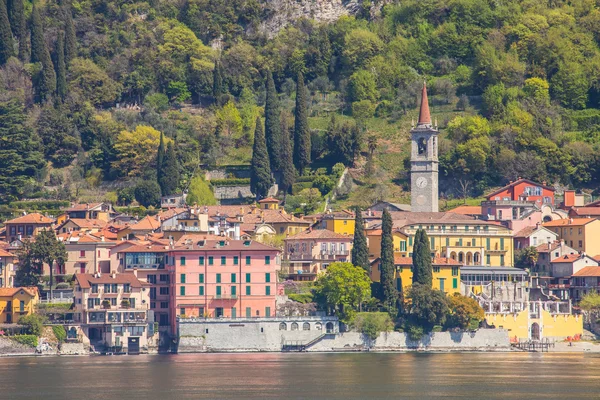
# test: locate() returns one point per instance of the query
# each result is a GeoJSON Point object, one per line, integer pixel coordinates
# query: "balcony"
{"type": "Point", "coordinates": [182, 228]}
{"type": "Point", "coordinates": [321, 256]}
{"type": "Point", "coordinates": [516, 203]}
{"type": "Point", "coordinates": [225, 297]}
{"type": "Point", "coordinates": [160, 265]}
{"type": "Point", "coordinates": [300, 270]}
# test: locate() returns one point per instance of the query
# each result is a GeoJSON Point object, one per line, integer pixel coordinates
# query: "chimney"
{"type": "Point", "coordinates": [114, 275]}
{"type": "Point", "coordinates": [424, 115]}
{"type": "Point", "coordinates": [102, 238]}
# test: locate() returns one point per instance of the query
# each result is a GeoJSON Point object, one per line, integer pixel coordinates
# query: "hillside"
{"type": "Point", "coordinates": [88, 88]}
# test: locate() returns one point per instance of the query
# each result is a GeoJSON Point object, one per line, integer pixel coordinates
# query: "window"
{"type": "Point", "coordinates": [218, 293]}
{"type": "Point", "coordinates": [268, 290]}
{"type": "Point", "coordinates": [182, 260]}
{"type": "Point", "coordinates": [182, 311]}
{"type": "Point", "coordinates": [248, 259]}
{"type": "Point", "coordinates": [164, 278]}
{"type": "Point", "coordinates": [248, 312]}
{"type": "Point", "coordinates": [201, 278]}
{"type": "Point", "coordinates": [267, 260]}
{"type": "Point", "coordinates": [267, 312]}
{"type": "Point", "coordinates": [248, 291]}
{"type": "Point", "coordinates": [94, 288]}
{"type": "Point", "coordinates": [580, 243]}
{"type": "Point", "coordinates": [447, 241]}
{"type": "Point", "coordinates": [403, 245]}
{"type": "Point", "coordinates": [182, 278]}
{"type": "Point", "coordinates": [211, 260]}
{"type": "Point", "coordinates": [201, 260]}
{"type": "Point", "coordinates": [152, 279]}
{"type": "Point", "coordinates": [218, 278]}
{"type": "Point", "coordinates": [410, 241]}
{"type": "Point", "coordinates": [164, 304]}
{"type": "Point", "coordinates": [460, 243]}
{"type": "Point", "coordinates": [283, 326]}
{"type": "Point", "coordinates": [236, 259]}
{"type": "Point", "coordinates": [502, 260]}
{"type": "Point", "coordinates": [247, 278]}
{"type": "Point", "coordinates": [473, 242]}
{"type": "Point", "coordinates": [487, 243]}
{"type": "Point", "coordinates": [268, 277]}
{"type": "Point", "coordinates": [223, 260]}
{"type": "Point", "coordinates": [152, 293]}
{"type": "Point", "coordinates": [21, 306]}
{"type": "Point", "coordinates": [233, 278]}
{"type": "Point", "coordinates": [82, 253]}
{"type": "Point", "coordinates": [164, 291]}
{"type": "Point", "coordinates": [454, 271]}
{"type": "Point", "coordinates": [454, 283]}
{"type": "Point", "coordinates": [233, 291]}
{"type": "Point", "coordinates": [487, 259]}
{"type": "Point", "coordinates": [182, 290]}
{"type": "Point", "coordinates": [107, 288]}
{"type": "Point", "coordinates": [201, 290]}
{"type": "Point", "coordinates": [432, 242]}
{"type": "Point", "coordinates": [436, 269]}
{"type": "Point", "coordinates": [113, 301]}
{"type": "Point", "coordinates": [234, 313]}
{"type": "Point", "coordinates": [501, 243]}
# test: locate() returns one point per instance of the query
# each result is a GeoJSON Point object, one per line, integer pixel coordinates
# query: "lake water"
{"type": "Point", "coordinates": [304, 376]}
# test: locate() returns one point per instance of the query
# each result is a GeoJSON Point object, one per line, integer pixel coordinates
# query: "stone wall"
{"type": "Point", "coordinates": [10, 347]}
{"type": "Point", "coordinates": [72, 349]}
{"type": "Point", "coordinates": [247, 335]}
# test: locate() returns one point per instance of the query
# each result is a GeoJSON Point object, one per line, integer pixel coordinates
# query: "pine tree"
{"type": "Point", "coordinates": [273, 132]}
{"type": "Point", "coordinates": [360, 250]}
{"type": "Point", "coordinates": [160, 157]}
{"type": "Point", "coordinates": [260, 170]}
{"type": "Point", "coordinates": [217, 82]}
{"type": "Point", "coordinates": [16, 16]}
{"type": "Point", "coordinates": [170, 172]}
{"type": "Point", "coordinates": [388, 270]}
{"type": "Point", "coordinates": [301, 131]}
{"type": "Point", "coordinates": [7, 47]}
{"type": "Point", "coordinates": [61, 72]}
{"type": "Point", "coordinates": [422, 267]}
{"type": "Point", "coordinates": [24, 54]}
{"type": "Point", "coordinates": [70, 37]}
{"type": "Point", "coordinates": [45, 82]}
{"type": "Point", "coordinates": [288, 172]}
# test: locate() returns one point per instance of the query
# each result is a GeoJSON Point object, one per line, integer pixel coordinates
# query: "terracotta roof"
{"type": "Point", "coordinates": [467, 210]}
{"type": "Point", "coordinates": [586, 210]}
{"type": "Point", "coordinates": [197, 237]}
{"type": "Point", "coordinates": [229, 245]}
{"type": "Point", "coordinates": [424, 115]}
{"type": "Point", "coordinates": [4, 253]}
{"type": "Point", "coordinates": [528, 231]}
{"type": "Point", "coordinates": [318, 234]}
{"type": "Point", "coordinates": [518, 181]}
{"type": "Point", "coordinates": [87, 223]}
{"type": "Point", "coordinates": [83, 207]}
{"type": "Point", "coordinates": [146, 248]}
{"type": "Point", "coordinates": [568, 258]}
{"type": "Point", "coordinates": [569, 222]}
{"type": "Point", "coordinates": [86, 280]}
{"type": "Point", "coordinates": [146, 224]}
{"type": "Point", "coordinates": [171, 212]}
{"type": "Point", "coordinates": [344, 214]}
{"type": "Point", "coordinates": [33, 218]}
{"type": "Point", "coordinates": [590, 271]}
{"type": "Point", "coordinates": [269, 200]}
{"type": "Point", "coordinates": [32, 291]}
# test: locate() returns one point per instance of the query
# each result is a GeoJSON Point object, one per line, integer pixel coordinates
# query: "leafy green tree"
{"type": "Point", "coordinates": [428, 306]}
{"type": "Point", "coordinates": [147, 193]}
{"type": "Point", "coordinates": [59, 135]}
{"type": "Point", "coordinates": [344, 288]}
{"type": "Point", "coordinates": [422, 268]}
{"type": "Point", "coordinates": [373, 323]}
{"type": "Point", "coordinates": [570, 86]}
{"type": "Point", "coordinates": [230, 121]}
{"type": "Point", "coordinates": [537, 90]}
{"type": "Point", "coordinates": [169, 175]}
{"type": "Point", "coordinates": [136, 150]}
{"type": "Point", "coordinates": [302, 144]}
{"type": "Point", "coordinates": [362, 86]}
{"type": "Point", "coordinates": [360, 250]}
{"type": "Point", "coordinates": [248, 112]}
{"type": "Point", "coordinates": [260, 170]}
{"type": "Point", "coordinates": [273, 133]}
{"type": "Point", "coordinates": [388, 269]}
{"type": "Point", "coordinates": [200, 193]}
{"type": "Point", "coordinates": [6, 40]}
{"type": "Point", "coordinates": [360, 45]}
{"type": "Point", "coordinates": [526, 257]}
{"type": "Point", "coordinates": [30, 270]}
{"type": "Point", "coordinates": [47, 249]}
{"type": "Point", "coordinates": [45, 80]}
{"type": "Point", "coordinates": [20, 157]}
{"type": "Point", "coordinates": [89, 82]}
{"type": "Point", "coordinates": [70, 36]}
{"type": "Point", "coordinates": [33, 324]}
{"type": "Point", "coordinates": [61, 71]}
{"type": "Point", "coordinates": [464, 311]}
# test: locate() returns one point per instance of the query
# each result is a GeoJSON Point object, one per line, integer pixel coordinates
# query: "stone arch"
{"type": "Point", "coordinates": [453, 255]}
{"type": "Point", "coordinates": [477, 259]}
{"type": "Point", "coordinates": [535, 331]}
{"type": "Point", "coordinates": [306, 326]}
{"type": "Point", "coordinates": [319, 326]}
{"type": "Point", "coordinates": [329, 327]}
{"type": "Point", "coordinates": [294, 326]}
{"type": "Point", "coordinates": [461, 257]}
{"type": "Point", "coordinates": [469, 258]}
{"type": "Point", "coordinates": [283, 326]}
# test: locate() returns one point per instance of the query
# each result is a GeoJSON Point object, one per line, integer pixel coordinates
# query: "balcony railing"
{"type": "Point", "coordinates": [300, 270]}
{"type": "Point", "coordinates": [225, 297]}
{"type": "Point", "coordinates": [323, 255]}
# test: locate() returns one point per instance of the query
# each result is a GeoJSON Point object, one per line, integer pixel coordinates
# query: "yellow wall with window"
{"type": "Point", "coordinates": [552, 326]}
{"type": "Point", "coordinates": [16, 303]}
{"type": "Point", "coordinates": [344, 226]}
{"type": "Point", "coordinates": [449, 275]}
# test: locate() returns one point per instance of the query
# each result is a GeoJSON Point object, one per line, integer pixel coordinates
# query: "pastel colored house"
{"type": "Point", "coordinates": [569, 264]}
{"type": "Point", "coordinates": [308, 253]}
{"type": "Point", "coordinates": [550, 251]}
{"type": "Point", "coordinates": [524, 190]}
{"type": "Point", "coordinates": [85, 254]}
{"type": "Point", "coordinates": [100, 211]}
{"type": "Point", "coordinates": [534, 236]}
{"type": "Point", "coordinates": [223, 279]}
{"type": "Point", "coordinates": [27, 226]}
{"type": "Point", "coordinates": [83, 225]}
{"type": "Point", "coordinates": [16, 303]}
{"type": "Point", "coordinates": [7, 269]}
{"type": "Point", "coordinates": [338, 222]}
{"type": "Point", "coordinates": [579, 233]}
{"type": "Point", "coordinates": [145, 226]}
{"type": "Point", "coordinates": [584, 281]}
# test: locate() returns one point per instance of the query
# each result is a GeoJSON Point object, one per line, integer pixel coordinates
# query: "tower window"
{"type": "Point", "coordinates": [422, 146]}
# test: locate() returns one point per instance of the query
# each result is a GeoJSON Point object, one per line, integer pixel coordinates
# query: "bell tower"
{"type": "Point", "coordinates": [424, 161]}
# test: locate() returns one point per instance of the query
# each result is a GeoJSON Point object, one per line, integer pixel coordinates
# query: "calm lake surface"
{"type": "Point", "coordinates": [304, 376]}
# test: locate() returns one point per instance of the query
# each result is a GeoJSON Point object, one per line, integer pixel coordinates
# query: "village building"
{"type": "Point", "coordinates": [534, 236]}
{"type": "Point", "coordinates": [27, 226]}
{"type": "Point", "coordinates": [7, 268]}
{"type": "Point", "coordinates": [17, 302]}
{"type": "Point", "coordinates": [579, 233]}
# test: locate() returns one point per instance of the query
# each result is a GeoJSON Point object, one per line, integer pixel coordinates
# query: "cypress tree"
{"type": "Point", "coordinates": [24, 55]}
{"type": "Point", "coordinates": [301, 131]}
{"type": "Point", "coordinates": [7, 48]}
{"type": "Point", "coordinates": [45, 82]}
{"type": "Point", "coordinates": [16, 16]}
{"type": "Point", "coordinates": [388, 270]}
{"type": "Point", "coordinates": [61, 72]}
{"type": "Point", "coordinates": [360, 250]}
{"type": "Point", "coordinates": [260, 170]}
{"type": "Point", "coordinates": [422, 267]}
{"type": "Point", "coordinates": [160, 157]}
{"type": "Point", "coordinates": [273, 133]}
{"type": "Point", "coordinates": [217, 91]}
{"type": "Point", "coordinates": [288, 172]}
{"type": "Point", "coordinates": [169, 177]}
{"type": "Point", "coordinates": [70, 37]}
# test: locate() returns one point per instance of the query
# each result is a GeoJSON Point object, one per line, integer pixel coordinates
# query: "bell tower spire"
{"type": "Point", "coordinates": [424, 115]}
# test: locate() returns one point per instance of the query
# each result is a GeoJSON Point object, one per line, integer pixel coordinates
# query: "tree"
{"type": "Point", "coordinates": [89, 82]}
{"type": "Point", "coordinates": [302, 144]}
{"type": "Point", "coordinates": [217, 90]}
{"type": "Point", "coordinates": [260, 170]}
{"type": "Point", "coordinates": [33, 324]}
{"type": "Point", "coordinates": [422, 269]}
{"type": "Point", "coordinates": [373, 323]}
{"type": "Point", "coordinates": [200, 193]}
{"type": "Point", "coordinates": [343, 288]}
{"type": "Point", "coordinates": [29, 271]}
{"type": "Point", "coordinates": [47, 249]}
{"type": "Point", "coordinates": [169, 176]}
{"type": "Point", "coordinates": [464, 311]}
{"type": "Point", "coordinates": [360, 250]}
{"type": "Point", "coordinates": [16, 16]}
{"type": "Point", "coordinates": [20, 157]}
{"type": "Point", "coordinates": [59, 135]}
{"type": "Point", "coordinates": [362, 86]}
{"type": "Point", "coordinates": [147, 193]}
{"type": "Point", "coordinates": [70, 36]}
{"type": "Point", "coordinates": [273, 132]}
{"type": "Point", "coordinates": [61, 72]}
{"type": "Point", "coordinates": [136, 150]}
{"type": "Point", "coordinates": [160, 157]}
{"type": "Point", "coordinates": [590, 302]}
{"type": "Point", "coordinates": [45, 80]}
{"type": "Point", "coordinates": [6, 39]}
{"type": "Point", "coordinates": [288, 172]}
{"type": "Point", "coordinates": [229, 120]}
{"type": "Point", "coordinates": [388, 269]}
{"type": "Point", "coordinates": [526, 257]}
{"type": "Point", "coordinates": [428, 306]}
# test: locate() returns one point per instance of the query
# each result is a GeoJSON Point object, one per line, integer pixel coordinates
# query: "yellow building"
{"type": "Point", "coordinates": [580, 233]}
{"type": "Point", "coordinates": [16, 303]}
{"type": "Point", "coordinates": [470, 242]}
{"type": "Point", "coordinates": [446, 273]}
{"type": "Point", "coordinates": [341, 222]}
{"type": "Point", "coordinates": [269, 203]}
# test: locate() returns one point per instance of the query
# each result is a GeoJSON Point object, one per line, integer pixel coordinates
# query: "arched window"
{"type": "Point", "coordinates": [319, 326]}
{"type": "Point", "coordinates": [283, 326]}
{"type": "Point", "coordinates": [329, 327]}
{"type": "Point", "coordinates": [294, 326]}
{"type": "Point", "coordinates": [306, 326]}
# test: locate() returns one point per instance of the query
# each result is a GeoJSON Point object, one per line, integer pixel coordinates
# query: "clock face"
{"type": "Point", "coordinates": [421, 200]}
{"type": "Point", "coordinates": [421, 182]}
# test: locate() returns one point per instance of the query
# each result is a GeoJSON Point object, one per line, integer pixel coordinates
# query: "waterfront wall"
{"type": "Point", "coordinates": [268, 335]}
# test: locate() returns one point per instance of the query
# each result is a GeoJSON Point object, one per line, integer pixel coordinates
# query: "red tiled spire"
{"type": "Point", "coordinates": [424, 116]}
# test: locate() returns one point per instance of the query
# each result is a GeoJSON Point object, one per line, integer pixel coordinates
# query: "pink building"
{"type": "Point", "coordinates": [219, 278]}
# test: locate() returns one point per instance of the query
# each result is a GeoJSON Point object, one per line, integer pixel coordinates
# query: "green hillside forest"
{"type": "Point", "coordinates": [128, 100]}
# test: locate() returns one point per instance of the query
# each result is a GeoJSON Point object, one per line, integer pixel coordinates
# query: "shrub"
{"type": "Point", "coordinates": [372, 323]}
{"type": "Point", "coordinates": [63, 285]}
{"type": "Point", "coordinates": [230, 182]}
{"type": "Point", "coordinates": [324, 184]}
{"type": "Point", "coordinates": [60, 333]}
{"type": "Point", "coordinates": [147, 193]}
{"type": "Point", "coordinates": [415, 332]}
{"type": "Point", "coordinates": [28, 340]}
{"type": "Point", "coordinates": [32, 323]}
{"type": "Point", "coordinates": [303, 298]}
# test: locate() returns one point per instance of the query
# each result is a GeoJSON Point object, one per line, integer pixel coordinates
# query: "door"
{"type": "Point", "coordinates": [9, 318]}
{"type": "Point", "coordinates": [442, 288]}
{"type": "Point", "coordinates": [219, 312]}
{"type": "Point", "coordinates": [133, 345]}
{"type": "Point", "coordinates": [535, 331]}
{"type": "Point", "coordinates": [233, 313]}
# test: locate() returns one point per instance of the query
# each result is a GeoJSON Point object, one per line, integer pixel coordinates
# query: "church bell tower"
{"type": "Point", "coordinates": [424, 161]}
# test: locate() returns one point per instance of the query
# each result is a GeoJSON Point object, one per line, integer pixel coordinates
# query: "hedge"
{"type": "Point", "coordinates": [60, 333]}
{"type": "Point", "coordinates": [298, 187]}
{"type": "Point", "coordinates": [306, 178]}
{"type": "Point", "coordinates": [230, 182]}
{"type": "Point", "coordinates": [40, 204]}
{"type": "Point", "coordinates": [28, 340]}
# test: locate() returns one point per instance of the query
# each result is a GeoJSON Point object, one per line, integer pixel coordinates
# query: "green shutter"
{"type": "Point", "coordinates": [267, 312]}
{"type": "Point", "coordinates": [410, 242]}
{"type": "Point", "coordinates": [233, 313]}
{"type": "Point", "coordinates": [201, 260]}
{"type": "Point", "coordinates": [211, 260]}
{"type": "Point", "coordinates": [247, 278]}
{"type": "Point", "coordinates": [268, 277]}
{"type": "Point", "coordinates": [182, 260]}
{"type": "Point", "coordinates": [182, 290]}
{"type": "Point", "coordinates": [234, 290]}
{"type": "Point", "coordinates": [501, 243]}
{"type": "Point", "coordinates": [235, 260]}
{"type": "Point", "coordinates": [218, 290]}
{"type": "Point", "coordinates": [454, 283]}
{"type": "Point", "coordinates": [223, 260]}
{"type": "Point", "coordinates": [201, 278]}
{"type": "Point", "coordinates": [487, 243]}
{"type": "Point", "coordinates": [248, 312]}
{"type": "Point", "coordinates": [233, 278]}
{"type": "Point", "coordinates": [268, 290]}
{"type": "Point", "coordinates": [218, 278]}
{"type": "Point", "coordinates": [201, 292]}
{"type": "Point", "coordinates": [248, 290]}
{"type": "Point", "coordinates": [487, 259]}
{"type": "Point", "coordinates": [182, 278]}
{"type": "Point", "coordinates": [267, 260]}
{"type": "Point", "coordinates": [248, 258]}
